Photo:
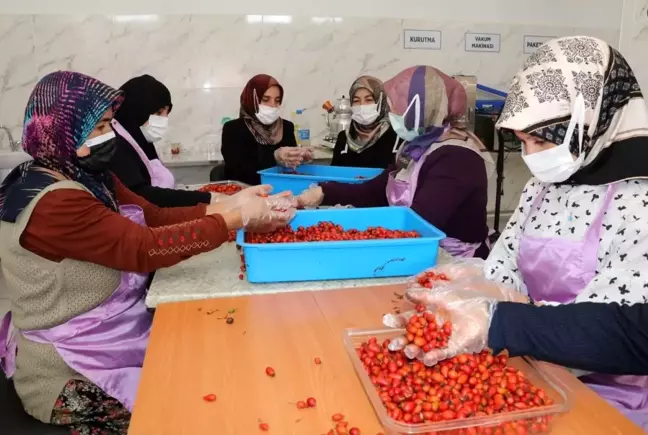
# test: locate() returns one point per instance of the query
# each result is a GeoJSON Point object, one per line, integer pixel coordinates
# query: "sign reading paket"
{"type": "Point", "coordinates": [488, 42]}
{"type": "Point", "coordinates": [422, 39]}
{"type": "Point", "coordinates": [531, 43]}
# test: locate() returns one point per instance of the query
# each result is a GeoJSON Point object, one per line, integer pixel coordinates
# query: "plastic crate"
{"type": "Point", "coordinates": [314, 261]}
{"type": "Point", "coordinates": [555, 389]}
{"type": "Point", "coordinates": [279, 178]}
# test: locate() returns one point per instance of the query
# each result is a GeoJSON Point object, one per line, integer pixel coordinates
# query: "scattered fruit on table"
{"type": "Point", "coordinates": [457, 388]}
{"type": "Point", "coordinates": [327, 232]}
{"type": "Point", "coordinates": [337, 417]}
{"type": "Point", "coordinates": [311, 402]}
{"type": "Point", "coordinates": [175, 150]}
{"type": "Point", "coordinates": [270, 372]}
{"type": "Point", "coordinates": [264, 427]}
{"type": "Point", "coordinates": [229, 320]}
{"type": "Point", "coordinates": [225, 189]}
{"type": "Point", "coordinates": [424, 331]}
{"type": "Point", "coordinates": [318, 360]}
{"type": "Point", "coordinates": [209, 398]}
{"type": "Point", "coordinates": [430, 279]}
{"type": "Point", "coordinates": [301, 405]}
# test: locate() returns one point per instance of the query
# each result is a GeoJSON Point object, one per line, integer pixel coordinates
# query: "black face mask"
{"type": "Point", "coordinates": [99, 158]}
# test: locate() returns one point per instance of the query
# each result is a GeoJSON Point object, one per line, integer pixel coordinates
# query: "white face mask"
{"type": "Point", "coordinates": [156, 128]}
{"type": "Point", "coordinates": [398, 121]}
{"type": "Point", "coordinates": [100, 139]}
{"type": "Point", "coordinates": [366, 114]}
{"type": "Point", "coordinates": [267, 115]}
{"type": "Point", "coordinates": [557, 164]}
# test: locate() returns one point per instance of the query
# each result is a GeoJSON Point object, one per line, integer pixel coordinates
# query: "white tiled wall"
{"type": "Point", "coordinates": [206, 58]}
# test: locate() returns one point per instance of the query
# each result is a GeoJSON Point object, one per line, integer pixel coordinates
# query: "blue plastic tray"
{"type": "Point", "coordinates": [314, 174]}
{"type": "Point", "coordinates": [314, 261]}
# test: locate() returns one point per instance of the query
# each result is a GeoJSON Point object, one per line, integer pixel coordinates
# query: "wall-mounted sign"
{"type": "Point", "coordinates": [531, 43]}
{"type": "Point", "coordinates": [488, 42]}
{"type": "Point", "coordinates": [422, 39]}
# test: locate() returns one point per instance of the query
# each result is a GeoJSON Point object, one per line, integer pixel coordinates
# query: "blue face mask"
{"type": "Point", "coordinates": [398, 121]}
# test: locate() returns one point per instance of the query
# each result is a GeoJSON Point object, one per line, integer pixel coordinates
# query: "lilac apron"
{"type": "Point", "coordinates": [557, 270]}
{"type": "Point", "coordinates": [401, 193]}
{"type": "Point", "coordinates": [160, 175]}
{"type": "Point", "coordinates": [107, 344]}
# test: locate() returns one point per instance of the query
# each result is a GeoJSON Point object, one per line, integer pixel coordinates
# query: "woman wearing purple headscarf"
{"type": "Point", "coordinates": [77, 248]}
{"type": "Point", "coordinates": [441, 171]}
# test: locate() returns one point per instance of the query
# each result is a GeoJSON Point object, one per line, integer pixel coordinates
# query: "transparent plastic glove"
{"type": "Point", "coordinates": [290, 157]}
{"type": "Point", "coordinates": [454, 271]}
{"type": "Point", "coordinates": [217, 198]}
{"type": "Point", "coordinates": [470, 316]}
{"type": "Point", "coordinates": [263, 215]}
{"type": "Point", "coordinates": [482, 287]}
{"type": "Point", "coordinates": [311, 197]}
{"type": "Point", "coordinates": [307, 154]}
{"type": "Point", "coordinates": [239, 198]}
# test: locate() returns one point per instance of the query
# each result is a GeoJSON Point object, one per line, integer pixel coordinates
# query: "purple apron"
{"type": "Point", "coordinates": [401, 193]}
{"type": "Point", "coordinates": [557, 270]}
{"type": "Point", "coordinates": [160, 175]}
{"type": "Point", "coordinates": [107, 344]}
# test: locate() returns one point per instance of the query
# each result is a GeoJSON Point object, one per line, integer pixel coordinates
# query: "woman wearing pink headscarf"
{"type": "Point", "coordinates": [441, 171]}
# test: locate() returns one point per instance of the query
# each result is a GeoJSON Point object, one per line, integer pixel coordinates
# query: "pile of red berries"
{"type": "Point", "coordinates": [327, 232]}
{"type": "Point", "coordinates": [430, 279]}
{"type": "Point", "coordinates": [225, 189]}
{"type": "Point", "coordinates": [457, 388]}
{"type": "Point", "coordinates": [423, 330]}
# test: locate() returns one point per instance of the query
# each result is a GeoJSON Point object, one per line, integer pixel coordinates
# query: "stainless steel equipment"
{"type": "Point", "coordinates": [338, 118]}
{"type": "Point", "coordinates": [470, 84]}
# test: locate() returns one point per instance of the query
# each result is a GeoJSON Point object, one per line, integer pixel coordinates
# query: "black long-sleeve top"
{"type": "Point", "coordinates": [127, 165]}
{"type": "Point", "coordinates": [379, 155]}
{"type": "Point", "coordinates": [597, 337]}
{"type": "Point", "coordinates": [244, 156]}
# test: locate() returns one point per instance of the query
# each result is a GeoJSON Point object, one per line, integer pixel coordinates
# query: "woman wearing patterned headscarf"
{"type": "Point", "coordinates": [76, 252]}
{"type": "Point", "coordinates": [580, 233]}
{"type": "Point", "coordinates": [441, 171]}
{"type": "Point", "coordinates": [369, 142]}
{"type": "Point", "coordinates": [259, 139]}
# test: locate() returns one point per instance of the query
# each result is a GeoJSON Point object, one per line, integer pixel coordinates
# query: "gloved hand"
{"type": "Point", "coordinates": [475, 284]}
{"type": "Point", "coordinates": [307, 154]}
{"type": "Point", "coordinates": [470, 315]}
{"type": "Point", "coordinates": [217, 198]}
{"type": "Point", "coordinates": [448, 273]}
{"type": "Point", "coordinates": [262, 215]}
{"type": "Point", "coordinates": [311, 197]}
{"type": "Point", "coordinates": [233, 201]}
{"type": "Point", "coordinates": [290, 157]}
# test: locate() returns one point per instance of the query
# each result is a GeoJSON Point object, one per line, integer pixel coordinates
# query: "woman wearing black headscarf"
{"type": "Point", "coordinates": [141, 121]}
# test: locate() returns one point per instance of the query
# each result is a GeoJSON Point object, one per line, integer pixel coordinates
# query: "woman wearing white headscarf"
{"type": "Point", "coordinates": [580, 232]}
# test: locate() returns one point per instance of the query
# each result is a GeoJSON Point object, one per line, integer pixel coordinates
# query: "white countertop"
{"type": "Point", "coordinates": [215, 274]}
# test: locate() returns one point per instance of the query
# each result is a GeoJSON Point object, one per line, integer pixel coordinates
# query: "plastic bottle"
{"type": "Point", "coordinates": [302, 126]}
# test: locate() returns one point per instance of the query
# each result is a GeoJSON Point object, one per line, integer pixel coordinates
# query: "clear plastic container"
{"type": "Point", "coordinates": [554, 388]}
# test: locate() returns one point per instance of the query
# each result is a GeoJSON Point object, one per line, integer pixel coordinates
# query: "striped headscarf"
{"type": "Point", "coordinates": [361, 137]}
{"type": "Point", "coordinates": [62, 111]}
{"type": "Point", "coordinates": [540, 103]}
{"type": "Point", "coordinates": [443, 104]}
{"type": "Point", "coordinates": [250, 100]}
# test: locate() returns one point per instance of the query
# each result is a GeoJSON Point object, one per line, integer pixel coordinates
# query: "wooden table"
{"type": "Point", "coordinates": [193, 353]}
